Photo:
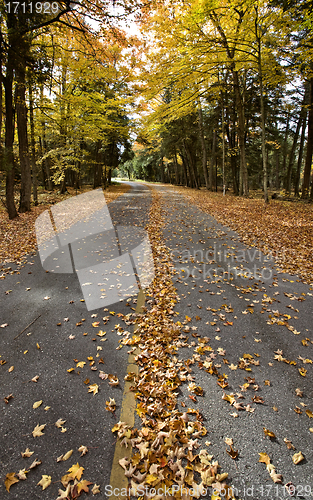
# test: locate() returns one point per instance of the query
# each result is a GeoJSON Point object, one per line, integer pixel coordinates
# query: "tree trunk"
{"type": "Point", "coordinates": [264, 156]}
{"type": "Point", "coordinates": [9, 138]}
{"type": "Point", "coordinates": [299, 165]}
{"type": "Point", "coordinates": [309, 148]}
{"type": "Point", "coordinates": [191, 166]}
{"type": "Point", "coordinates": [212, 160]}
{"type": "Point", "coordinates": [176, 169]}
{"type": "Point", "coordinates": [32, 142]}
{"type": "Point", "coordinates": [203, 147]}
{"type": "Point", "coordinates": [244, 184]}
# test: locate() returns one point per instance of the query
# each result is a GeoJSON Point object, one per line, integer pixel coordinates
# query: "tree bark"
{"type": "Point", "coordinates": [32, 143]}
{"type": "Point", "coordinates": [244, 184]}
{"type": "Point", "coordinates": [9, 133]}
{"type": "Point", "coordinates": [309, 150]}
{"type": "Point", "coordinates": [203, 147]}
{"type": "Point", "coordinates": [300, 157]}
{"type": "Point", "coordinates": [212, 160]}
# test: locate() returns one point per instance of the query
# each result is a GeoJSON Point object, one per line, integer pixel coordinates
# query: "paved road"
{"type": "Point", "coordinates": [241, 288]}
{"type": "Point", "coordinates": [224, 304]}
{"type": "Point", "coordinates": [87, 421]}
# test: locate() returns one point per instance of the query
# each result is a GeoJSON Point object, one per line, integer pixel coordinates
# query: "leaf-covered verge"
{"type": "Point", "coordinates": [283, 229]}
{"type": "Point", "coordinates": [17, 236]}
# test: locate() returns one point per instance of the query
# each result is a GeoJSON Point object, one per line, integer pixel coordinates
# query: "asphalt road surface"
{"type": "Point", "coordinates": [231, 294]}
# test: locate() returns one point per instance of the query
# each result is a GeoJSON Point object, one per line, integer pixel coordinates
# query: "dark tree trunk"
{"type": "Point", "coordinates": [244, 184]}
{"type": "Point", "coordinates": [9, 138]}
{"type": "Point", "coordinates": [309, 147]}
{"type": "Point", "coordinates": [213, 160]}
{"type": "Point", "coordinates": [300, 157]}
{"type": "Point", "coordinates": [203, 147]}
{"type": "Point", "coordinates": [32, 142]}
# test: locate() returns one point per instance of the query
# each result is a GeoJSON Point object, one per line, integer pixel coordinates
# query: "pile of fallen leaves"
{"type": "Point", "coordinates": [281, 228]}
{"type": "Point", "coordinates": [17, 236]}
{"type": "Point", "coordinates": [164, 461]}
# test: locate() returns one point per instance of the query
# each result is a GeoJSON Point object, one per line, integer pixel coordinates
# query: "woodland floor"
{"type": "Point", "coordinates": [282, 228]}
{"type": "Point", "coordinates": [17, 237]}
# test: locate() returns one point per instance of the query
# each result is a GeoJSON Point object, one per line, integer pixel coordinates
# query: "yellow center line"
{"type": "Point", "coordinates": [118, 480]}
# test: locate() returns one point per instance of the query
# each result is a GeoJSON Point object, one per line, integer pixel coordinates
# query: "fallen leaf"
{"type": "Point", "coordinates": [38, 430]}
{"type": "Point", "coordinates": [289, 444]}
{"type": "Point", "coordinates": [76, 471]}
{"type": "Point", "coordinates": [93, 388]}
{"type": "Point", "coordinates": [277, 478]}
{"type": "Point", "coordinates": [9, 480]}
{"type": "Point", "coordinates": [67, 455]}
{"type": "Point", "coordinates": [59, 423]}
{"type": "Point", "coordinates": [95, 489]}
{"type": "Point", "coordinates": [6, 399]}
{"type": "Point", "coordinates": [269, 433]}
{"type": "Point", "coordinates": [21, 475]}
{"type": "Point", "coordinates": [83, 450]}
{"type": "Point", "coordinates": [83, 486]}
{"type": "Point", "coordinates": [44, 482]}
{"type": "Point", "coordinates": [34, 464]}
{"type": "Point", "coordinates": [37, 404]}
{"type": "Point", "coordinates": [264, 458]}
{"type": "Point", "coordinates": [297, 458]}
{"type": "Point", "coordinates": [27, 453]}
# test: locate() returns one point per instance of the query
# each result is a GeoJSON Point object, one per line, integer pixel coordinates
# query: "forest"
{"type": "Point", "coordinates": [206, 93]}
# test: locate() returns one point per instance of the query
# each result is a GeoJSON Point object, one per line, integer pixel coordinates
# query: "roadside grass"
{"type": "Point", "coordinates": [17, 236]}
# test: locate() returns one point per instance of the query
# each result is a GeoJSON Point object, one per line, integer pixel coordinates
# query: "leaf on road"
{"type": "Point", "coordinates": [45, 481]}
{"type": "Point", "coordinates": [94, 388]}
{"type": "Point", "coordinates": [96, 489]}
{"type": "Point", "coordinates": [59, 423]}
{"type": "Point", "coordinates": [9, 480]}
{"type": "Point", "coordinates": [269, 433]}
{"type": "Point", "coordinates": [21, 475]}
{"type": "Point", "coordinates": [27, 453]}
{"type": "Point", "coordinates": [38, 430]}
{"type": "Point", "coordinates": [297, 458]}
{"type": "Point", "coordinates": [37, 404]}
{"type": "Point", "coordinates": [83, 450]}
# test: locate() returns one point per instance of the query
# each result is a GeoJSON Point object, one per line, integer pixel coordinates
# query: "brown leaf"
{"type": "Point", "coordinates": [9, 480]}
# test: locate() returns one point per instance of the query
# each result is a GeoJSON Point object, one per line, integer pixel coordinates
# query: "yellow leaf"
{"type": "Point", "coordinates": [38, 430]}
{"type": "Point", "coordinates": [37, 404]}
{"type": "Point", "coordinates": [27, 453]}
{"type": "Point", "coordinates": [76, 471]}
{"type": "Point", "coordinates": [11, 369]}
{"type": "Point", "coordinates": [269, 433]}
{"type": "Point", "coordinates": [59, 423]}
{"type": "Point", "coordinates": [264, 458]}
{"type": "Point", "coordinates": [93, 388]}
{"type": "Point", "coordinates": [297, 458]}
{"type": "Point", "coordinates": [38, 346]}
{"type": "Point", "coordinates": [81, 364]}
{"type": "Point", "coordinates": [44, 482]}
{"type": "Point", "coordinates": [70, 370]}
{"type": "Point", "coordinates": [67, 455]}
{"type": "Point", "coordinates": [95, 489]}
{"type": "Point", "coordinates": [9, 480]}
{"type": "Point", "coordinates": [309, 413]}
{"type": "Point", "coordinates": [302, 372]}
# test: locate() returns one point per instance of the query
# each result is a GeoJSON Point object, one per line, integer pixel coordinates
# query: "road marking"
{"type": "Point", "coordinates": [118, 479]}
